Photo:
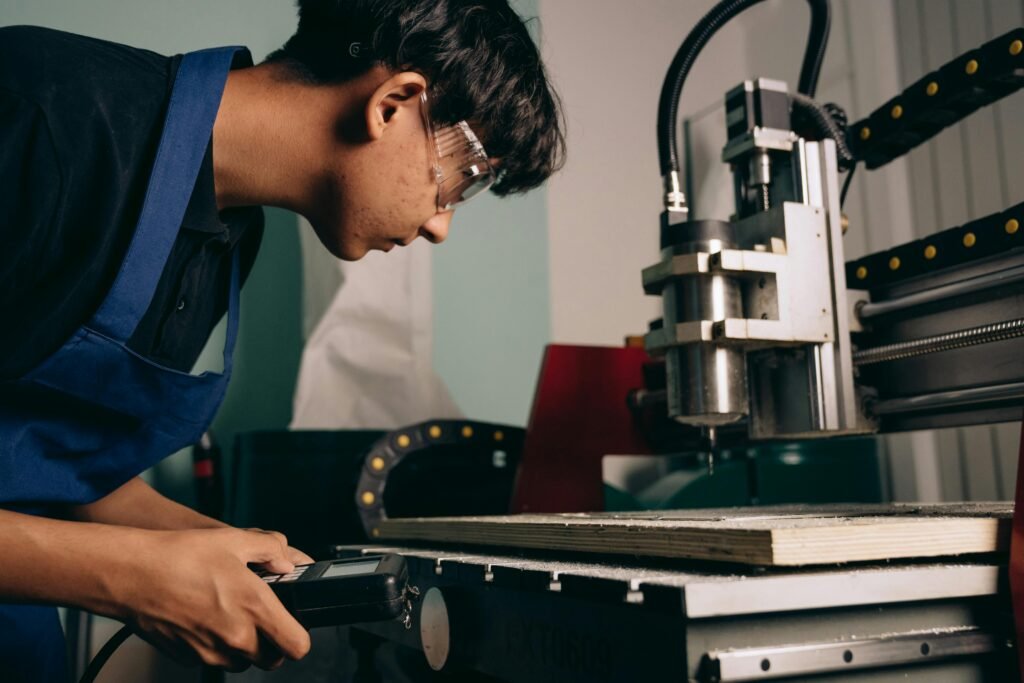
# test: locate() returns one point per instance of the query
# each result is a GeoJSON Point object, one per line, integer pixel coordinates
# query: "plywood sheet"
{"type": "Point", "coordinates": [766, 536]}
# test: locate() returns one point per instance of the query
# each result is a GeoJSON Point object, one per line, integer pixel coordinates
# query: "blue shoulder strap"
{"type": "Point", "coordinates": [195, 99]}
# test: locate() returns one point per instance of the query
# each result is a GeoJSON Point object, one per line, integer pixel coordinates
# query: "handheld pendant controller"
{"type": "Point", "coordinates": [351, 591]}
{"type": "Point", "coordinates": [328, 593]}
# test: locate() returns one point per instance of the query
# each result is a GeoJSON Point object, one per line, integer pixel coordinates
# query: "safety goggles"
{"type": "Point", "coordinates": [460, 164]}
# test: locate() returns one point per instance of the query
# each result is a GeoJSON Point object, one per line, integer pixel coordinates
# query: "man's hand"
{"type": "Point", "coordinates": [294, 555]}
{"type": "Point", "coordinates": [195, 598]}
{"type": "Point", "coordinates": [192, 595]}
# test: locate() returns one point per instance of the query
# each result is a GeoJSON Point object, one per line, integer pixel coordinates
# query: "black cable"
{"type": "Point", "coordinates": [818, 115]}
{"type": "Point", "coordinates": [721, 14]}
{"type": "Point", "coordinates": [103, 655]}
{"type": "Point", "coordinates": [817, 41]}
{"type": "Point", "coordinates": [846, 185]}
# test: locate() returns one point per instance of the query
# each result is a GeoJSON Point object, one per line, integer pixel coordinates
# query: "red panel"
{"type": "Point", "coordinates": [202, 469]}
{"type": "Point", "coordinates": [1017, 557]}
{"type": "Point", "coordinates": [579, 415]}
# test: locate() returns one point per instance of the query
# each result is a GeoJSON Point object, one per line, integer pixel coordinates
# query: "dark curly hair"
{"type": "Point", "coordinates": [477, 56]}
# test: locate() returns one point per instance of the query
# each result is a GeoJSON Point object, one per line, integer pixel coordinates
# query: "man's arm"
{"type": "Point", "coordinates": [137, 505]}
{"type": "Point", "coordinates": [189, 592]}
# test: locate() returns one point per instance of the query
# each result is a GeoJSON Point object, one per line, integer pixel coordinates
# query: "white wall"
{"type": "Point", "coordinates": [609, 58]}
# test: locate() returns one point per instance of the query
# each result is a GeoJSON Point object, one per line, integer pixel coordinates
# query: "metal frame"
{"type": "Point", "coordinates": [766, 663]}
{"type": "Point", "coordinates": [542, 620]}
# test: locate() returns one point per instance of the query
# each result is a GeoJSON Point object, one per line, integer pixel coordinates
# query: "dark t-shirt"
{"type": "Point", "coordinates": [80, 121]}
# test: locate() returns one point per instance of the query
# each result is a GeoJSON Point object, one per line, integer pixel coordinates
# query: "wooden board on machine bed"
{"type": "Point", "coordinates": [766, 536]}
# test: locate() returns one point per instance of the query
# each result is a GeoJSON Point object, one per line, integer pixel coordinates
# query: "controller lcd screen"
{"type": "Point", "coordinates": [350, 569]}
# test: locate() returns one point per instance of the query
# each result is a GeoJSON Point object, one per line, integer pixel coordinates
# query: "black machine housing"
{"type": "Point", "coordinates": [379, 594]}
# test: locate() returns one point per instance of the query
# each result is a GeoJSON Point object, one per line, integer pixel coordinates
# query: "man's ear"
{"type": "Point", "coordinates": [397, 97]}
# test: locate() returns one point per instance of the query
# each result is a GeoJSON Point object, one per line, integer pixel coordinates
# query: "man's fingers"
{"type": "Point", "coordinates": [237, 666]}
{"type": "Point", "coordinates": [221, 660]}
{"type": "Point", "coordinates": [181, 651]}
{"type": "Point", "coordinates": [270, 657]}
{"type": "Point", "coordinates": [296, 556]}
{"type": "Point", "coordinates": [281, 629]}
{"type": "Point", "coordinates": [271, 664]}
{"type": "Point", "coordinates": [265, 549]}
{"type": "Point", "coordinates": [282, 539]}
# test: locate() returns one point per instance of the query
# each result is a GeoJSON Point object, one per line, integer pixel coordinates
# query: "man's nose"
{"type": "Point", "coordinates": [435, 230]}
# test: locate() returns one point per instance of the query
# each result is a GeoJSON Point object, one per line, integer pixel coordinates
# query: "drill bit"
{"type": "Point", "coordinates": [711, 441]}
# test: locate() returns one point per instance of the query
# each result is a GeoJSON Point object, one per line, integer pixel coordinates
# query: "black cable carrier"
{"type": "Point", "coordinates": [483, 443]}
{"type": "Point", "coordinates": [988, 236]}
{"type": "Point", "coordinates": [940, 99]}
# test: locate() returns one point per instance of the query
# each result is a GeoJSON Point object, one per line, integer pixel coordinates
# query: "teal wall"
{"type": "Point", "coordinates": [492, 311]}
{"type": "Point", "coordinates": [270, 342]}
{"type": "Point", "coordinates": [166, 27]}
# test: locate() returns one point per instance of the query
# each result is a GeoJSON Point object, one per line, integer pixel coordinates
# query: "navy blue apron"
{"type": "Point", "coordinates": [96, 414]}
